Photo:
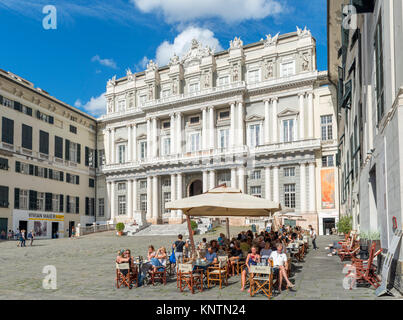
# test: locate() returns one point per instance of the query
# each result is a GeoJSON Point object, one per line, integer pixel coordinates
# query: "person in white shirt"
{"type": "Point", "coordinates": [313, 236]}
{"type": "Point", "coordinates": [280, 262]}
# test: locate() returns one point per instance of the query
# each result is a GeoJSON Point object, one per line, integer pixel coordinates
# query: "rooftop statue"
{"type": "Point", "coordinates": [303, 33]}
{"type": "Point", "coordinates": [152, 66]}
{"type": "Point", "coordinates": [236, 43]}
{"type": "Point", "coordinates": [271, 40]}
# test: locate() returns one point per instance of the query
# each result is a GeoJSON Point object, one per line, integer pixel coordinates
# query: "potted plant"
{"type": "Point", "coordinates": [345, 224]}
{"type": "Point", "coordinates": [374, 236]}
{"type": "Point", "coordinates": [193, 225]}
{"type": "Point", "coordinates": [119, 228]}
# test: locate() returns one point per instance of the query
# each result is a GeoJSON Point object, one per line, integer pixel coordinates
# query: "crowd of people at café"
{"type": "Point", "coordinates": [248, 247]}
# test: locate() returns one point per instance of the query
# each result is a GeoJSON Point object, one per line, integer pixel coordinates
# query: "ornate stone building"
{"type": "Point", "coordinates": [258, 117]}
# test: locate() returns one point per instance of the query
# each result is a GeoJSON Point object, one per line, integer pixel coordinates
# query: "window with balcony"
{"type": "Point", "coordinates": [288, 130]}
{"type": "Point", "coordinates": [166, 146]}
{"type": "Point", "coordinates": [194, 87]}
{"type": "Point", "coordinates": [143, 150]}
{"type": "Point", "coordinates": [223, 80]}
{"type": "Point", "coordinates": [289, 195]}
{"type": "Point", "coordinates": [254, 76]}
{"type": "Point", "coordinates": [287, 69]}
{"type": "Point", "coordinates": [122, 153]}
{"type": "Point", "coordinates": [326, 124]}
{"type": "Point", "coordinates": [255, 138]}
{"type": "Point", "coordinates": [121, 205]}
{"type": "Point", "coordinates": [223, 138]}
{"type": "Point", "coordinates": [194, 142]}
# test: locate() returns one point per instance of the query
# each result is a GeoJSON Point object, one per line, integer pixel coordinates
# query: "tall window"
{"type": "Point", "coordinates": [254, 135]}
{"type": "Point", "coordinates": [143, 184]}
{"type": "Point", "coordinates": [223, 138]}
{"type": "Point", "coordinates": [289, 195]}
{"type": "Point", "coordinates": [166, 146]}
{"type": "Point", "coordinates": [256, 174]}
{"type": "Point", "coordinates": [194, 87]}
{"type": "Point", "coordinates": [143, 149]}
{"type": "Point", "coordinates": [167, 198]}
{"type": "Point", "coordinates": [56, 202]}
{"type": "Point", "coordinates": [121, 186]}
{"type": "Point", "coordinates": [289, 172]}
{"type": "Point", "coordinates": [122, 153]}
{"type": "Point", "coordinates": [253, 76]}
{"type": "Point", "coordinates": [74, 151]}
{"type": "Point", "coordinates": [23, 199]}
{"type": "Point", "coordinates": [288, 130]}
{"type": "Point", "coordinates": [328, 161]}
{"type": "Point", "coordinates": [101, 207]}
{"type": "Point", "coordinates": [379, 70]}
{"type": "Point", "coordinates": [256, 191]}
{"type": "Point", "coordinates": [40, 201]}
{"type": "Point", "coordinates": [194, 142]}
{"type": "Point", "coordinates": [326, 127]}
{"type": "Point", "coordinates": [287, 69]}
{"type": "Point", "coordinates": [121, 205]}
{"type": "Point", "coordinates": [143, 202]}
{"type": "Point", "coordinates": [223, 80]}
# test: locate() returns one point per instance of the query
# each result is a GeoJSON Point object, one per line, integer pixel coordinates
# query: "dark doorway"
{"type": "Point", "coordinates": [3, 227]}
{"type": "Point", "coordinates": [55, 229]}
{"type": "Point", "coordinates": [328, 225]}
{"type": "Point", "coordinates": [196, 188]}
{"type": "Point", "coordinates": [71, 226]}
{"type": "Point", "coordinates": [23, 225]}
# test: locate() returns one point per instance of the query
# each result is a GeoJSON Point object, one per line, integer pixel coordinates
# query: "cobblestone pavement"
{"type": "Point", "coordinates": [86, 270]}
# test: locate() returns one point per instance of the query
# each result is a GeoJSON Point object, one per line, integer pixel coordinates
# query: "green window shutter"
{"type": "Point", "coordinates": [16, 198]}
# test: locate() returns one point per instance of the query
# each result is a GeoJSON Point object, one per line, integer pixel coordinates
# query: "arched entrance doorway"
{"type": "Point", "coordinates": [195, 188]}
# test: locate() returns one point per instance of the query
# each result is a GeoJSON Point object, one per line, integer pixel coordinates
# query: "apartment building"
{"type": "Point", "coordinates": [366, 66]}
{"type": "Point", "coordinates": [47, 161]}
{"type": "Point", "coordinates": [259, 117]}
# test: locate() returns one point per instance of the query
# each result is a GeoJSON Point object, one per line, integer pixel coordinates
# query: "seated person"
{"type": "Point", "coordinates": [266, 251]}
{"type": "Point", "coordinates": [151, 252]}
{"type": "Point", "coordinates": [159, 261]}
{"type": "Point", "coordinates": [235, 256]}
{"type": "Point", "coordinates": [203, 247]}
{"type": "Point", "coordinates": [221, 239]}
{"type": "Point", "coordinates": [253, 258]}
{"type": "Point", "coordinates": [221, 251]}
{"type": "Point", "coordinates": [211, 256]}
{"type": "Point", "coordinates": [120, 258]}
{"type": "Point", "coordinates": [280, 266]}
{"type": "Point", "coordinates": [244, 247]}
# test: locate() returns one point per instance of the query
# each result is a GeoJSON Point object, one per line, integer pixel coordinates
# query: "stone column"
{"type": "Point", "coordinates": [134, 145]}
{"type": "Point", "coordinates": [179, 194]}
{"type": "Point", "coordinates": [113, 153]}
{"type": "Point", "coordinates": [267, 173]}
{"type": "Point", "coordinates": [134, 196]}
{"type": "Point", "coordinates": [149, 197]}
{"type": "Point", "coordinates": [156, 199]}
{"type": "Point", "coordinates": [241, 179]}
{"type": "Point", "coordinates": [205, 181]}
{"type": "Point", "coordinates": [129, 198]}
{"type": "Point", "coordinates": [154, 138]}
{"type": "Point", "coordinates": [301, 116]}
{"type": "Point", "coordinates": [312, 189]}
{"type": "Point", "coordinates": [274, 120]}
{"type": "Point", "coordinates": [108, 200]}
{"type": "Point", "coordinates": [211, 128]}
{"type": "Point", "coordinates": [204, 128]}
{"type": "Point", "coordinates": [129, 143]}
{"type": "Point", "coordinates": [310, 116]}
{"type": "Point", "coordinates": [232, 137]}
{"type": "Point", "coordinates": [276, 187]}
{"type": "Point", "coordinates": [302, 175]}
{"type": "Point", "coordinates": [241, 125]}
{"type": "Point", "coordinates": [233, 177]}
{"type": "Point", "coordinates": [113, 201]}
{"type": "Point", "coordinates": [212, 183]}
{"type": "Point", "coordinates": [149, 147]}
{"type": "Point", "coordinates": [106, 146]}
{"type": "Point", "coordinates": [267, 122]}
{"type": "Point", "coordinates": [179, 133]}
{"type": "Point", "coordinates": [173, 193]}
{"type": "Point", "coordinates": [172, 133]}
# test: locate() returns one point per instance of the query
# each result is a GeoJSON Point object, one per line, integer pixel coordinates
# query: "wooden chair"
{"type": "Point", "coordinates": [226, 259]}
{"type": "Point", "coordinates": [218, 273]}
{"type": "Point", "coordinates": [187, 278]}
{"type": "Point", "coordinates": [134, 275]}
{"type": "Point", "coordinates": [123, 275]}
{"type": "Point", "coordinates": [301, 253]}
{"type": "Point", "coordinates": [158, 275]}
{"type": "Point", "coordinates": [348, 250]}
{"type": "Point", "coordinates": [261, 279]}
{"type": "Point", "coordinates": [365, 271]}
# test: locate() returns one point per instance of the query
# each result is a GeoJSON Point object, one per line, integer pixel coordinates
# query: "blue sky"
{"type": "Point", "coordinates": [97, 39]}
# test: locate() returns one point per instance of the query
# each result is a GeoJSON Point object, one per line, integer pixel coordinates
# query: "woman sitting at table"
{"type": "Point", "coordinates": [159, 261]}
{"type": "Point", "coordinates": [120, 257]}
{"type": "Point", "coordinates": [251, 260]}
{"type": "Point", "coordinates": [151, 252]}
{"type": "Point", "coordinates": [266, 251]}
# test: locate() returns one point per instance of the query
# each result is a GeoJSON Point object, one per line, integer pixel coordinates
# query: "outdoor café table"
{"type": "Point", "coordinates": [143, 266]}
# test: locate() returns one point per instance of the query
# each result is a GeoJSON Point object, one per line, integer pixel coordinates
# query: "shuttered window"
{"type": "Point", "coordinates": [43, 142]}
{"type": "Point", "coordinates": [58, 147]}
{"type": "Point", "coordinates": [3, 164]}
{"type": "Point", "coordinates": [48, 202]}
{"type": "Point", "coordinates": [7, 134]}
{"type": "Point", "coordinates": [3, 197]}
{"type": "Point", "coordinates": [61, 209]}
{"type": "Point", "coordinates": [26, 137]}
{"type": "Point", "coordinates": [33, 196]}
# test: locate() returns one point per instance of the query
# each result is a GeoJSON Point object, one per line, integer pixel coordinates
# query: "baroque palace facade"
{"type": "Point", "coordinates": [258, 117]}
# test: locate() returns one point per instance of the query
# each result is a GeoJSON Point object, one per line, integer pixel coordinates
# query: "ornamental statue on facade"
{"type": "Point", "coordinates": [196, 53]}
{"type": "Point", "coordinates": [269, 69]}
{"type": "Point", "coordinates": [236, 43]}
{"type": "Point", "coordinates": [174, 60]}
{"type": "Point", "coordinates": [303, 33]}
{"type": "Point", "coordinates": [112, 82]}
{"type": "Point", "coordinates": [129, 74]}
{"type": "Point", "coordinates": [110, 105]}
{"type": "Point", "coordinates": [152, 66]}
{"type": "Point", "coordinates": [235, 73]}
{"type": "Point", "coordinates": [174, 87]}
{"type": "Point", "coordinates": [305, 61]}
{"type": "Point", "coordinates": [271, 41]}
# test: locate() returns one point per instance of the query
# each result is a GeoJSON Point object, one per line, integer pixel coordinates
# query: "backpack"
{"type": "Point", "coordinates": [172, 257]}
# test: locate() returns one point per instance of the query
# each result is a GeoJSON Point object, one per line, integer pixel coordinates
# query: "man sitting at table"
{"type": "Point", "coordinates": [280, 266]}
{"type": "Point", "coordinates": [211, 256]}
{"type": "Point", "coordinates": [235, 256]}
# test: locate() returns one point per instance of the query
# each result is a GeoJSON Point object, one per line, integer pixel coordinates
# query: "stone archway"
{"type": "Point", "coordinates": [195, 188]}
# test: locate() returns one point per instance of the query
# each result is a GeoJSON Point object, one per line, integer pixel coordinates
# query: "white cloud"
{"type": "Point", "coordinates": [96, 106]}
{"type": "Point", "coordinates": [182, 43]}
{"type": "Point", "coordinates": [105, 62]}
{"type": "Point", "coordinates": [228, 10]}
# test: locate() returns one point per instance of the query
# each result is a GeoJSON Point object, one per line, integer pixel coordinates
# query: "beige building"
{"type": "Point", "coordinates": [47, 161]}
{"type": "Point", "coordinates": [259, 117]}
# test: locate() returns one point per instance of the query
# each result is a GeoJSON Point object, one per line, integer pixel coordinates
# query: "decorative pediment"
{"type": "Point", "coordinates": [196, 53]}
{"type": "Point", "coordinates": [254, 117]}
{"type": "Point", "coordinates": [120, 140]}
{"type": "Point", "coordinates": [142, 136]}
{"type": "Point", "coordinates": [288, 112]}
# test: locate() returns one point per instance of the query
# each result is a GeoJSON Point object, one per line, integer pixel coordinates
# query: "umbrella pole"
{"type": "Point", "coordinates": [228, 235]}
{"type": "Point", "coordinates": [192, 242]}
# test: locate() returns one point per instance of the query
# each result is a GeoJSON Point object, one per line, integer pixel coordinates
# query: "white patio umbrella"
{"type": "Point", "coordinates": [223, 202]}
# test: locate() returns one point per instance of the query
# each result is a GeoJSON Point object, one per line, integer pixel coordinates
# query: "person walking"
{"type": "Point", "coordinates": [31, 237]}
{"type": "Point", "coordinates": [178, 246]}
{"type": "Point", "coordinates": [23, 237]}
{"type": "Point", "coordinates": [313, 236]}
